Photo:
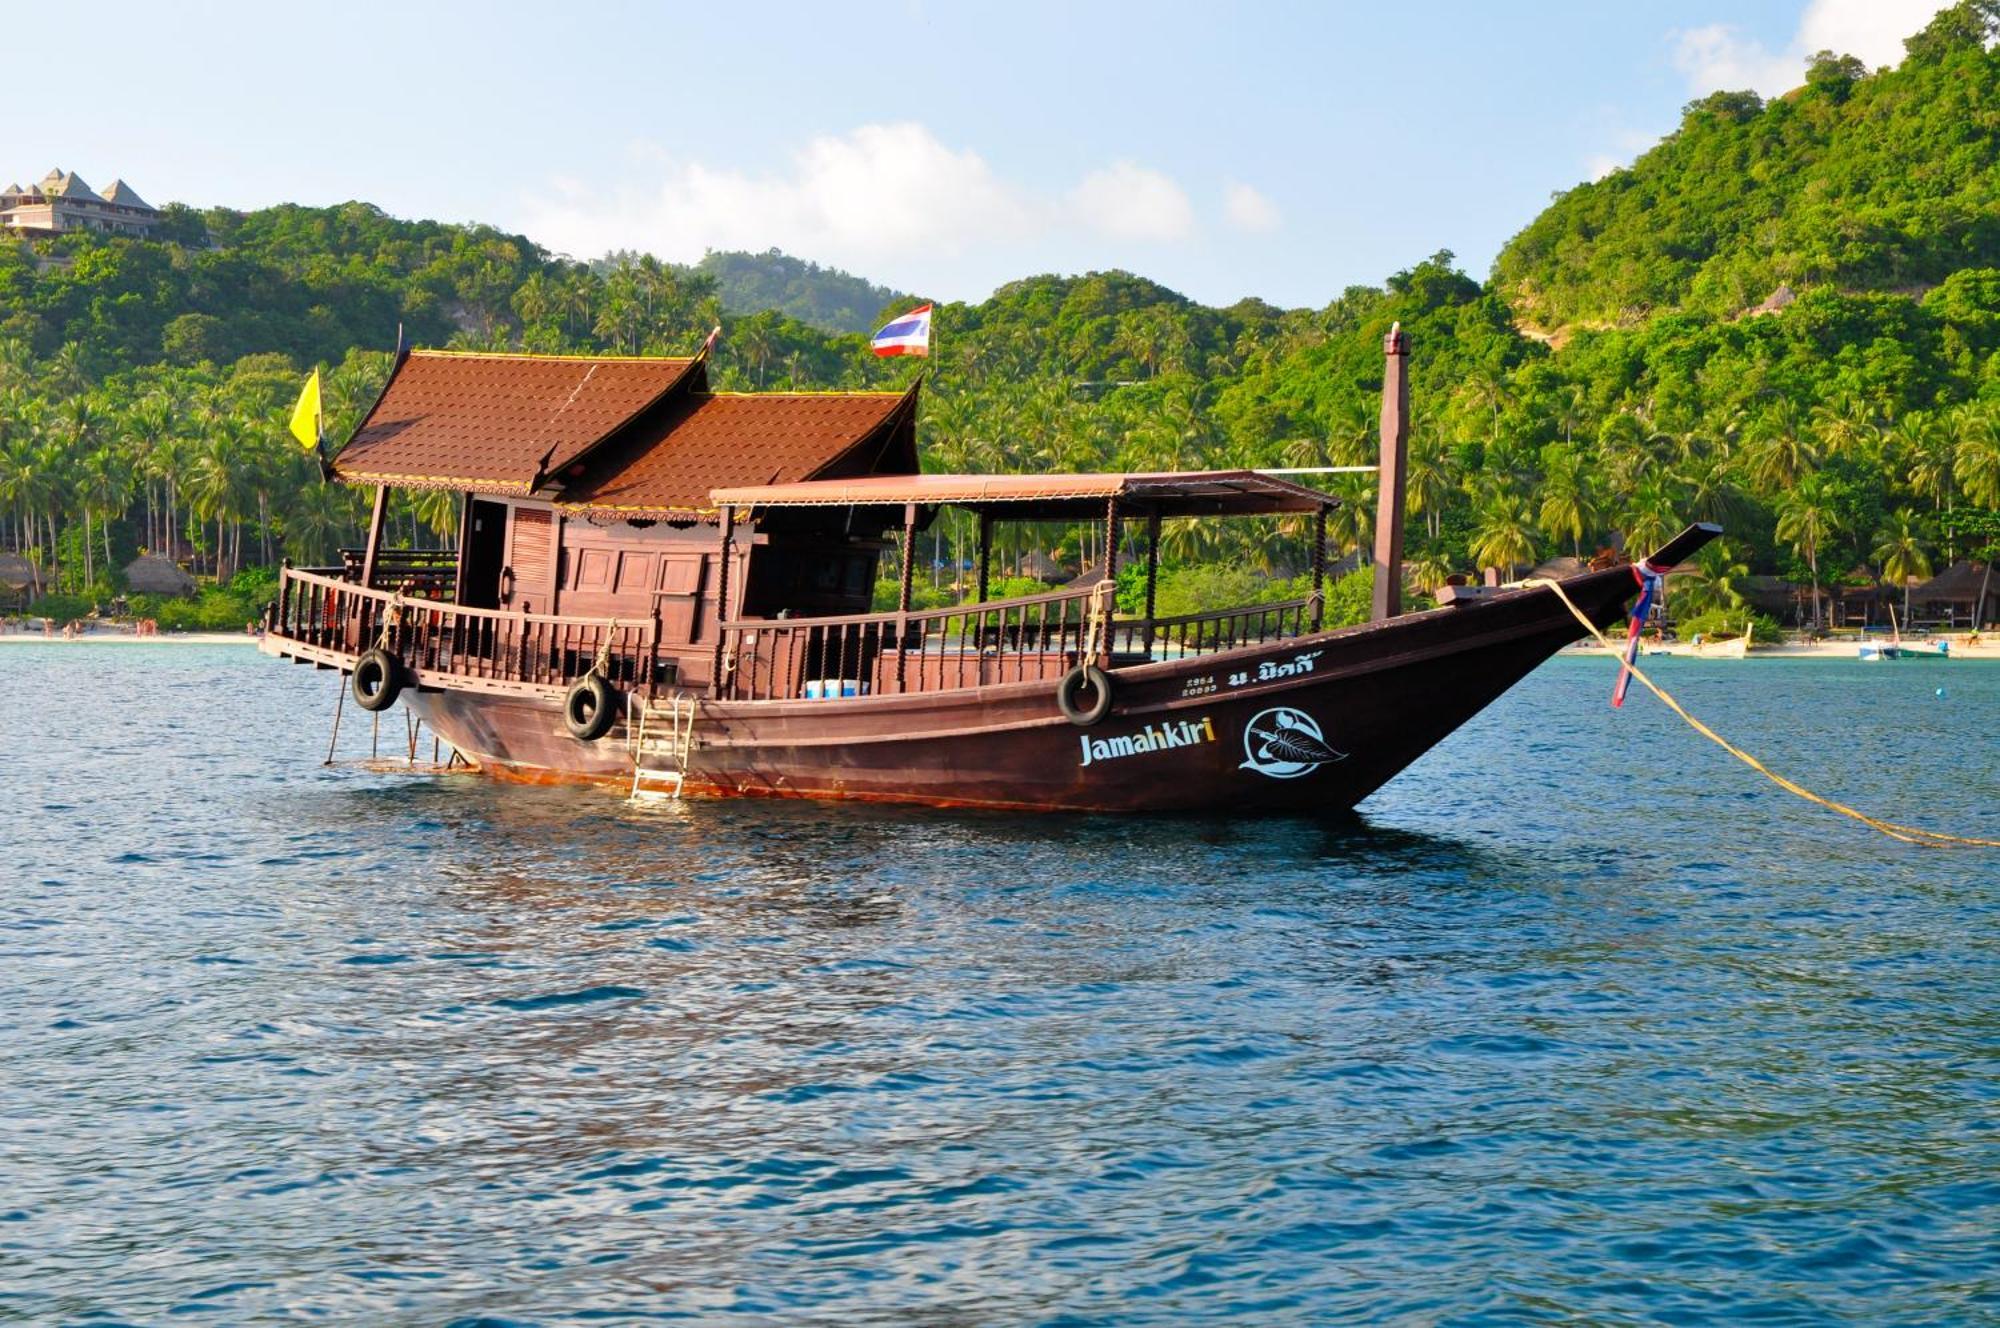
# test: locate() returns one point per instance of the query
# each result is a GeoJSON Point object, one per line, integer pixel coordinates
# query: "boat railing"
{"type": "Point", "coordinates": [971, 645]}
{"type": "Point", "coordinates": [431, 573]}
{"type": "Point", "coordinates": [1220, 629]}
{"type": "Point", "coordinates": [324, 610]}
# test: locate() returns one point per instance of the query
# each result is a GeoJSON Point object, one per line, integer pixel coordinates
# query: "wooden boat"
{"type": "Point", "coordinates": [1874, 652]}
{"type": "Point", "coordinates": [1736, 647]}
{"type": "Point", "coordinates": [664, 588]}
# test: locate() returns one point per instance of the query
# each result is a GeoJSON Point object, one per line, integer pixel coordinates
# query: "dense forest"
{"type": "Point", "coordinates": [1852, 432]}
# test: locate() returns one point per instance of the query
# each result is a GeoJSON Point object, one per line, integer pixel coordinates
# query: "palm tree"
{"type": "Point", "coordinates": [1903, 552]}
{"type": "Point", "coordinates": [1924, 445]}
{"type": "Point", "coordinates": [77, 424]}
{"type": "Point", "coordinates": [1782, 449]}
{"type": "Point", "coordinates": [1808, 517]}
{"type": "Point", "coordinates": [1651, 515]}
{"type": "Point", "coordinates": [1976, 463]}
{"type": "Point", "coordinates": [1431, 475]}
{"type": "Point", "coordinates": [756, 341]}
{"type": "Point", "coordinates": [1503, 533]}
{"type": "Point", "coordinates": [1567, 505]}
{"type": "Point", "coordinates": [1426, 571]}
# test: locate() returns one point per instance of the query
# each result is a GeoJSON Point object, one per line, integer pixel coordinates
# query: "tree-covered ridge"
{"type": "Point", "coordinates": [1867, 181]}
{"type": "Point", "coordinates": [144, 388]}
{"type": "Point", "coordinates": [821, 297]}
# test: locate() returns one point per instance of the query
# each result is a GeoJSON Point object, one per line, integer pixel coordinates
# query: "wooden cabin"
{"type": "Point", "coordinates": [586, 484]}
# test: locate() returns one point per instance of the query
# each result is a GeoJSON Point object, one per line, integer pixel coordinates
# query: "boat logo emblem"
{"type": "Point", "coordinates": [1284, 743]}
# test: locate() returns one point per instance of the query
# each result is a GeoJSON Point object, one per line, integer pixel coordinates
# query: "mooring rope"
{"type": "Point", "coordinates": [601, 666]}
{"type": "Point", "coordinates": [391, 620]}
{"type": "Point", "coordinates": [1909, 834]}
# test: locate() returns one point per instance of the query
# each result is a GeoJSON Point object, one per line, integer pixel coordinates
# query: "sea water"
{"type": "Point", "coordinates": [1576, 1021]}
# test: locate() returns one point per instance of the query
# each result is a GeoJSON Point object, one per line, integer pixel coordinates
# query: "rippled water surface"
{"type": "Point", "coordinates": [1576, 1022]}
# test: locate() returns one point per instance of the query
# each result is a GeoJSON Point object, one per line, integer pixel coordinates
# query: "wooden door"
{"type": "Point", "coordinates": [684, 587]}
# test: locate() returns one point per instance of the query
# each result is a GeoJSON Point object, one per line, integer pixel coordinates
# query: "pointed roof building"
{"type": "Point", "coordinates": [64, 201]}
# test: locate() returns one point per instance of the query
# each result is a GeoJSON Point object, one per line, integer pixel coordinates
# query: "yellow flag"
{"type": "Point", "coordinates": [305, 415]}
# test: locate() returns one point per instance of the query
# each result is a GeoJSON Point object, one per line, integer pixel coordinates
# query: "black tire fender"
{"type": "Point", "coordinates": [377, 680]}
{"type": "Point", "coordinates": [589, 708]}
{"type": "Point", "coordinates": [1082, 678]}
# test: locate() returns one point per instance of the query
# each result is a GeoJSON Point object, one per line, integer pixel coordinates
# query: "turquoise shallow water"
{"type": "Point", "coordinates": [1576, 1023]}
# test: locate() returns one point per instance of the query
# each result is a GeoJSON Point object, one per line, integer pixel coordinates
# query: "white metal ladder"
{"type": "Point", "coordinates": [660, 744]}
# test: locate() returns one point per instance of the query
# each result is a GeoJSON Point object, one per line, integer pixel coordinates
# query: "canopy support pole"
{"type": "Point", "coordinates": [374, 536]}
{"type": "Point", "coordinates": [726, 552]}
{"type": "Point", "coordinates": [1395, 463]}
{"type": "Point", "coordinates": [1111, 517]}
{"type": "Point", "coordinates": [1319, 569]}
{"type": "Point", "coordinates": [903, 587]}
{"type": "Point", "coordinates": [985, 552]}
{"type": "Point", "coordinates": [464, 538]}
{"type": "Point", "coordinates": [1152, 572]}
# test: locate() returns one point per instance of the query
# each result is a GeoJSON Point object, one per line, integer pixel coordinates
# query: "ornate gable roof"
{"type": "Point", "coordinates": [634, 437]}
{"type": "Point", "coordinates": [498, 423]}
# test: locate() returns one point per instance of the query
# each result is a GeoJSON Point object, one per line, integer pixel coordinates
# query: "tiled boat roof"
{"type": "Point", "coordinates": [634, 437]}
{"type": "Point", "coordinates": [708, 440]}
{"type": "Point", "coordinates": [496, 422]}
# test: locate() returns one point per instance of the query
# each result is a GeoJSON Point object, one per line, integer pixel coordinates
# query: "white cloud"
{"type": "Point", "coordinates": [1249, 210]}
{"type": "Point", "coordinates": [879, 193]}
{"type": "Point", "coordinates": [1127, 201]}
{"type": "Point", "coordinates": [1721, 56]}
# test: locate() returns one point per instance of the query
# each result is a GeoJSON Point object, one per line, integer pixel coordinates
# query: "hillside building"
{"type": "Point", "coordinates": [63, 202]}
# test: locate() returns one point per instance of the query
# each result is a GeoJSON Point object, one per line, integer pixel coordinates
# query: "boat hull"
{"type": "Point", "coordinates": [1309, 724]}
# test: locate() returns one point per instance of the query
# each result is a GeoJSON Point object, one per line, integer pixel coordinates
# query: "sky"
{"type": "Point", "coordinates": [1285, 151]}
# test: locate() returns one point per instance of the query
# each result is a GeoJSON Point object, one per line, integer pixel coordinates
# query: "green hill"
{"type": "Point", "coordinates": [1883, 181]}
{"type": "Point", "coordinates": [1854, 432]}
{"type": "Point", "coordinates": [821, 297]}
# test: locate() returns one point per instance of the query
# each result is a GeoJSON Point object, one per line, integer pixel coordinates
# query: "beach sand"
{"type": "Point", "coordinates": [1989, 648]}
{"type": "Point", "coordinates": [114, 638]}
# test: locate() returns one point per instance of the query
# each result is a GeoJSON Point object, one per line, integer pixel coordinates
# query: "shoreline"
{"type": "Point", "coordinates": [129, 639]}
{"type": "Point", "coordinates": [1988, 650]}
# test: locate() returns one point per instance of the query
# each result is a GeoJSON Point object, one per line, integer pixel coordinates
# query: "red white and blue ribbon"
{"type": "Point", "coordinates": [908, 335]}
{"type": "Point", "coordinates": [1650, 579]}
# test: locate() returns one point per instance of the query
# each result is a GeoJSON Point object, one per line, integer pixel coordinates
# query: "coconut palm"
{"type": "Point", "coordinates": [1976, 460]}
{"type": "Point", "coordinates": [1567, 506]}
{"type": "Point", "coordinates": [1503, 533]}
{"type": "Point", "coordinates": [1924, 447]}
{"type": "Point", "coordinates": [1904, 552]}
{"type": "Point", "coordinates": [1808, 517]}
{"type": "Point", "coordinates": [1781, 448]}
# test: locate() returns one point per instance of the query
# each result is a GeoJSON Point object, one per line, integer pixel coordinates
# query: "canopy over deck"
{"type": "Point", "coordinates": [1048, 497]}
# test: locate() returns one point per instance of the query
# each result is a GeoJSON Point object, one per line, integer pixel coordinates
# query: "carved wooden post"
{"type": "Point", "coordinates": [985, 552]}
{"type": "Point", "coordinates": [1110, 571]}
{"type": "Point", "coordinates": [1319, 569]}
{"type": "Point", "coordinates": [1395, 462]}
{"type": "Point", "coordinates": [903, 587]}
{"type": "Point", "coordinates": [728, 550]}
{"type": "Point", "coordinates": [1152, 572]}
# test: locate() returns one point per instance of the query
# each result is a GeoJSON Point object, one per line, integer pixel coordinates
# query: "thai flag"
{"type": "Point", "coordinates": [908, 335]}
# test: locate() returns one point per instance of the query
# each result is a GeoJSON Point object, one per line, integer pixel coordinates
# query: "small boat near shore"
{"type": "Point", "coordinates": [667, 589]}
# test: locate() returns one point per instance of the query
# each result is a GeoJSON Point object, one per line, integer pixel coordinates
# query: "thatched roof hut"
{"type": "Point", "coordinates": [1957, 589]}
{"type": "Point", "coordinates": [16, 572]}
{"type": "Point", "coordinates": [1771, 595]}
{"type": "Point", "coordinates": [152, 574]}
